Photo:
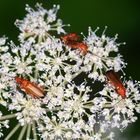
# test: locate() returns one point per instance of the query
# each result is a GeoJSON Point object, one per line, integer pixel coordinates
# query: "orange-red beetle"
{"type": "Point", "coordinates": [116, 83]}
{"type": "Point", "coordinates": [30, 88]}
{"type": "Point", "coordinates": [71, 38]}
{"type": "Point", "coordinates": [73, 41]}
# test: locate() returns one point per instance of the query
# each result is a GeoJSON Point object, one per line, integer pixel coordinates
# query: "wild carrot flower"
{"type": "Point", "coordinates": [70, 108]}
{"type": "Point", "coordinates": [120, 112]}
{"type": "Point", "coordinates": [99, 60]}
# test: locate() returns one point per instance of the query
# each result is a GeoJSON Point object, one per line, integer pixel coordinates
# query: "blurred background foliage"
{"type": "Point", "coordinates": [121, 16]}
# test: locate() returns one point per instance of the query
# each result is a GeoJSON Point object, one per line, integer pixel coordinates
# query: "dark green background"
{"type": "Point", "coordinates": [121, 16]}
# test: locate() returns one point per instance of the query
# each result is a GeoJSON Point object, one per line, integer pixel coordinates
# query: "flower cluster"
{"type": "Point", "coordinates": [44, 64]}
{"type": "Point", "coordinates": [39, 23]}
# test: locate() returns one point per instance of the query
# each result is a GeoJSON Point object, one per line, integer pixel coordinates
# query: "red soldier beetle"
{"type": "Point", "coordinates": [30, 88]}
{"type": "Point", "coordinates": [71, 38]}
{"type": "Point", "coordinates": [116, 83]}
{"type": "Point", "coordinates": [73, 41]}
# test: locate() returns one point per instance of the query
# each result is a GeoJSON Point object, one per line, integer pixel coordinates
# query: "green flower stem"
{"type": "Point", "coordinates": [6, 117]}
{"type": "Point", "coordinates": [34, 131]}
{"type": "Point", "coordinates": [74, 76]}
{"type": "Point", "coordinates": [12, 132]}
{"type": "Point", "coordinates": [36, 74]}
{"type": "Point", "coordinates": [22, 132]}
{"type": "Point", "coordinates": [28, 131]}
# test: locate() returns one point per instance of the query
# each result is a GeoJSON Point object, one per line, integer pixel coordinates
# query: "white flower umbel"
{"type": "Point", "coordinates": [28, 110]}
{"type": "Point", "coordinates": [39, 23]}
{"type": "Point", "coordinates": [71, 105]}
{"type": "Point", "coordinates": [120, 112]}
{"type": "Point", "coordinates": [73, 118]}
{"type": "Point", "coordinates": [99, 59]}
{"type": "Point", "coordinates": [31, 60]}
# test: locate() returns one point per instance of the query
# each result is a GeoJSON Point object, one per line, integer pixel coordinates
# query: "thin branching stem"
{"type": "Point", "coordinates": [12, 132]}
{"type": "Point", "coordinates": [28, 131]}
{"type": "Point", "coordinates": [74, 76]}
{"type": "Point", "coordinates": [22, 132]}
{"type": "Point", "coordinates": [6, 117]}
{"type": "Point", "coordinates": [34, 131]}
